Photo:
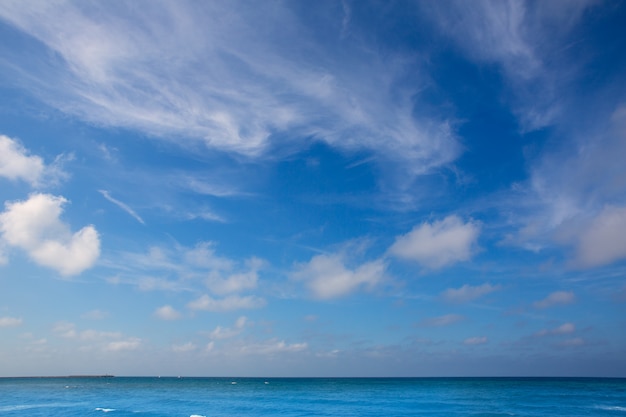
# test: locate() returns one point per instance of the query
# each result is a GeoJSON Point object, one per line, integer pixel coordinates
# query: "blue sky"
{"type": "Point", "coordinates": [334, 188]}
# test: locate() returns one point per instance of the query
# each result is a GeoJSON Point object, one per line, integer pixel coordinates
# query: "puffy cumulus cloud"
{"type": "Point", "coordinates": [167, 312]}
{"type": "Point", "coordinates": [327, 276]}
{"type": "Point", "coordinates": [16, 163]}
{"type": "Point", "coordinates": [10, 321]}
{"type": "Point", "coordinates": [604, 240]}
{"type": "Point", "coordinates": [221, 284]}
{"type": "Point", "coordinates": [556, 298]}
{"type": "Point", "coordinates": [226, 333]}
{"type": "Point", "coordinates": [439, 321]}
{"type": "Point", "coordinates": [34, 225]}
{"type": "Point", "coordinates": [468, 293]}
{"type": "Point", "coordinates": [132, 343]}
{"type": "Point", "coordinates": [438, 244]}
{"type": "Point", "coordinates": [229, 303]}
{"type": "Point", "coordinates": [479, 340]}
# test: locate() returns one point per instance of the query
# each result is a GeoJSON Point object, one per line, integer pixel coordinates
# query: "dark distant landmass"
{"type": "Point", "coordinates": [66, 376]}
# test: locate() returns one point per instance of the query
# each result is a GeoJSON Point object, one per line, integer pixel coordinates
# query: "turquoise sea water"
{"type": "Point", "coordinates": [185, 397]}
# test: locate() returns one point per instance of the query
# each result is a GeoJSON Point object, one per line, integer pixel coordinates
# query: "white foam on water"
{"type": "Point", "coordinates": [611, 408]}
{"type": "Point", "coordinates": [196, 415]}
{"type": "Point", "coordinates": [105, 410]}
{"type": "Point", "coordinates": [18, 407]}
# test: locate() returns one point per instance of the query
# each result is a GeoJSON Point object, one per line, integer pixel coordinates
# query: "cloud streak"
{"type": "Point", "coordinates": [229, 303]}
{"type": "Point", "coordinates": [121, 205]}
{"type": "Point", "coordinates": [10, 321]}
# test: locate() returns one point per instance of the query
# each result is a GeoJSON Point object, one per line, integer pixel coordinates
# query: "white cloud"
{"type": "Point", "coordinates": [236, 282]}
{"type": "Point", "coordinates": [68, 331]}
{"type": "Point", "coordinates": [556, 298]}
{"type": "Point", "coordinates": [34, 225]}
{"type": "Point", "coordinates": [576, 341]}
{"type": "Point", "coordinates": [167, 312]}
{"type": "Point", "coordinates": [438, 244]}
{"type": "Point", "coordinates": [95, 315]}
{"type": "Point", "coordinates": [565, 328]}
{"type": "Point", "coordinates": [444, 320]}
{"type": "Point", "coordinates": [96, 335]}
{"type": "Point", "coordinates": [121, 205]}
{"type": "Point", "coordinates": [10, 321]}
{"type": "Point", "coordinates": [476, 340]}
{"type": "Point", "coordinates": [223, 74]}
{"type": "Point", "coordinates": [16, 163]}
{"type": "Point", "coordinates": [604, 240]}
{"type": "Point", "coordinates": [328, 277]}
{"type": "Point", "coordinates": [65, 329]}
{"type": "Point", "coordinates": [468, 293]}
{"type": "Point", "coordinates": [226, 333]}
{"type": "Point", "coordinates": [187, 347]}
{"type": "Point", "coordinates": [179, 268]}
{"type": "Point", "coordinates": [132, 343]}
{"type": "Point", "coordinates": [205, 214]}
{"type": "Point", "coordinates": [203, 255]}
{"type": "Point", "coordinates": [522, 38]}
{"type": "Point", "coordinates": [272, 347]}
{"type": "Point", "coordinates": [575, 192]}
{"type": "Point", "coordinates": [229, 303]}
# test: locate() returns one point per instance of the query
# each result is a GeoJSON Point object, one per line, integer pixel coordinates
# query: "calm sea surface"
{"type": "Point", "coordinates": [161, 397]}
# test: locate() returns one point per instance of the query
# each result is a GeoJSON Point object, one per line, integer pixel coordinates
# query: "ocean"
{"type": "Point", "coordinates": [217, 397]}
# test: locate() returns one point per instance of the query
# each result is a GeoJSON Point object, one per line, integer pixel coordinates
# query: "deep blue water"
{"type": "Point", "coordinates": [215, 397]}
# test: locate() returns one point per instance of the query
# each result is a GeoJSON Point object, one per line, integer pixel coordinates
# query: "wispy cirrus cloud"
{"type": "Point", "coordinates": [183, 71]}
{"type": "Point", "coordinates": [181, 268]}
{"type": "Point", "coordinates": [522, 38]}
